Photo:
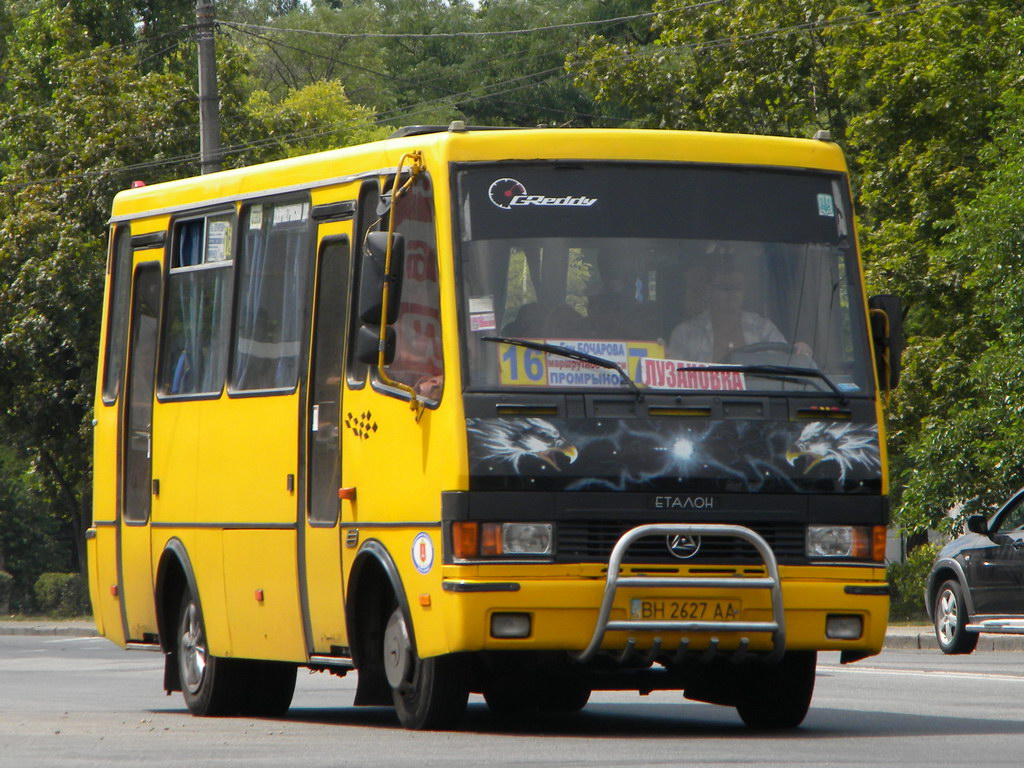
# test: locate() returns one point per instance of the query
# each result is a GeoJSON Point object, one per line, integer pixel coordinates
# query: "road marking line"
{"type": "Point", "coordinates": [926, 673]}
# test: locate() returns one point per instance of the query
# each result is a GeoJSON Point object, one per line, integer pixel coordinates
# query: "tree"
{"type": "Point", "coordinates": [970, 456]}
{"type": "Point", "coordinates": [749, 66]}
{"type": "Point", "coordinates": [73, 121]}
{"type": "Point", "coordinates": [923, 86]}
{"type": "Point", "coordinates": [910, 92]}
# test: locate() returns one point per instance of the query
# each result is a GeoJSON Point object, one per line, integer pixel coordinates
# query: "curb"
{"type": "Point", "coordinates": [897, 638]}
{"type": "Point", "coordinates": [923, 639]}
{"type": "Point", "coordinates": [60, 629]}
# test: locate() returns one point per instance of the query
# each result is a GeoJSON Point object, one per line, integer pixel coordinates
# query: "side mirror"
{"type": "Point", "coordinates": [372, 277]}
{"type": "Point", "coordinates": [368, 344]}
{"type": "Point", "coordinates": [977, 524]}
{"type": "Point", "coordinates": [886, 314]}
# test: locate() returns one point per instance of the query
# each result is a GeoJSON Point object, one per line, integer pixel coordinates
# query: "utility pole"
{"type": "Point", "coordinates": [209, 99]}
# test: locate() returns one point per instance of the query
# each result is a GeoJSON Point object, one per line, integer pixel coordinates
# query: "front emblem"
{"type": "Point", "coordinates": [683, 547]}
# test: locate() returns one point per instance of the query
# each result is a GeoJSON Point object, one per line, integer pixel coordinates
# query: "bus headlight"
{"type": "Point", "coordinates": [527, 538]}
{"type": "Point", "coordinates": [472, 540]}
{"type": "Point", "coordinates": [861, 542]}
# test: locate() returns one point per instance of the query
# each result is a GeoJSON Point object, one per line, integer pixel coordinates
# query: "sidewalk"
{"type": "Point", "coordinates": [923, 637]}
{"type": "Point", "coordinates": [75, 628]}
{"type": "Point", "coordinates": [920, 637]}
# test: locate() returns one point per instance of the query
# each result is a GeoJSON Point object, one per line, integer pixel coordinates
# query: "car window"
{"type": "Point", "coordinates": [1013, 519]}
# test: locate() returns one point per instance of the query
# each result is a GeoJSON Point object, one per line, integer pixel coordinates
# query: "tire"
{"type": "Point", "coordinates": [429, 694]}
{"type": "Point", "coordinates": [518, 697]}
{"type": "Point", "coordinates": [565, 698]}
{"type": "Point", "coordinates": [509, 699]}
{"type": "Point", "coordinates": [777, 696]}
{"type": "Point", "coordinates": [209, 684]}
{"type": "Point", "coordinates": [950, 618]}
{"type": "Point", "coordinates": [268, 687]}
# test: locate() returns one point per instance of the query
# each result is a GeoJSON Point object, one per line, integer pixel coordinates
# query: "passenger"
{"type": "Point", "coordinates": [541, 321]}
{"type": "Point", "coordinates": [616, 311]}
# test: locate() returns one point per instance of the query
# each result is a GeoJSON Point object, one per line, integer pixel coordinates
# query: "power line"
{"type": "Point", "coordinates": [481, 33]}
{"type": "Point", "coordinates": [455, 95]}
{"type": "Point", "coordinates": [513, 83]}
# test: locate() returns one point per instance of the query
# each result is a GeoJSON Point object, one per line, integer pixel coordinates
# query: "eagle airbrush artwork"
{"type": "Point", "coordinates": [652, 455]}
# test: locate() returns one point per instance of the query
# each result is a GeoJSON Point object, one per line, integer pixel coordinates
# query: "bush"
{"type": "Point", "coordinates": [62, 594]}
{"type": "Point", "coordinates": [6, 586]}
{"type": "Point", "coordinates": [907, 581]}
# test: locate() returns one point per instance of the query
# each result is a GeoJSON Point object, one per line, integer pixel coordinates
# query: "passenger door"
{"type": "Point", "coordinates": [135, 565]}
{"type": "Point", "coordinates": [323, 599]}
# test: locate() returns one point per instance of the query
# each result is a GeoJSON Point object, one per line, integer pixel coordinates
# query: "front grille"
{"type": "Point", "coordinates": [592, 542]}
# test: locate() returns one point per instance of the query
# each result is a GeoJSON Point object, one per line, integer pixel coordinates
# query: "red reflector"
{"type": "Point", "coordinates": [138, 183]}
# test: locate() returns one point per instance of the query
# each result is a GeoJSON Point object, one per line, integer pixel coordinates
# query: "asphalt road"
{"type": "Point", "coordinates": [80, 701]}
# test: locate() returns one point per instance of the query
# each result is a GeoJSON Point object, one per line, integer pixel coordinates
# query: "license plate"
{"type": "Point", "coordinates": [684, 610]}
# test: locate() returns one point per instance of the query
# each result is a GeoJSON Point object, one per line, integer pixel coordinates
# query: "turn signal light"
{"type": "Point", "coordinates": [466, 540]}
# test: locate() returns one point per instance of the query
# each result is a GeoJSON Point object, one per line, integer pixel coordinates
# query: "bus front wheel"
{"type": "Point", "coordinates": [777, 696]}
{"type": "Point", "coordinates": [429, 694]}
{"type": "Point", "coordinates": [208, 683]}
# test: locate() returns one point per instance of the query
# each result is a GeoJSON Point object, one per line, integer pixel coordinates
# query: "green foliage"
{"type": "Point", "coordinates": [925, 98]}
{"type": "Point", "coordinates": [6, 587]}
{"type": "Point", "coordinates": [28, 533]}
{"type": "Point", "coordinates": [73, 118]}
{"type": "Point", "coordinates": [311, 119]}
{"type": "Point", "coordinates": [749, 66]}
{"type": "Point", "coordinates": [908, 580]}
{"type": "Point", "coordinates": [64, 595]}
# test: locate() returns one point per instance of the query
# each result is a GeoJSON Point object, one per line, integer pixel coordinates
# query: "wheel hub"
{"type": "Point", "coordinates": [397, 650]}
{"type": "Point", "coordinates": [193, 650]}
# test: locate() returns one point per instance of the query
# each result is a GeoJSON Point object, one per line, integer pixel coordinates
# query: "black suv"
{"type": "Point", "coordinates": [977, 582]}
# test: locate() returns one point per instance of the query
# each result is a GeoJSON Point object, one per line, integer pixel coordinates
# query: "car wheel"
{"type": "Point", "coordinates": [951, 619]}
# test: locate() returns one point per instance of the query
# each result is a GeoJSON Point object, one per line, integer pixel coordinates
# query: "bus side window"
{"type": "Point", "coordinates": [117, 313]}
{"type": "Point", "coordinates": [274, 282]}
{"type": "Point", "coordinates": [193, 353]}
{"type": "Point", "coordinates": [367, 220]}
{"type": "Point", "coordinates": [419, 360]}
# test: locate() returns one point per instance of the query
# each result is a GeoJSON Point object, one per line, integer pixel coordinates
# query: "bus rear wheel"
{"type": "Point", "coordinates": [429, 694]}
{"type": "Point", "coordinates": [777, 696]}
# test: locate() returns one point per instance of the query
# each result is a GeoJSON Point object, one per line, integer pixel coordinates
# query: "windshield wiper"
{"type": "Point", "coordinates": [789, 373]}
{"type": "Point", "coordinates": [572, 354]}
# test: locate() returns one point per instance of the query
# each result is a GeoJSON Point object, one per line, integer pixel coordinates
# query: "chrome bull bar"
{"type": "Point", "coordinates": [777, 627]}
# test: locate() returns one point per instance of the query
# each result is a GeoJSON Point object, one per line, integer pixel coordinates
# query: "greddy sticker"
{"type": "Point", "coordinates": [509, 193]}
{"type": "Point", "coordinates": [423, 552]}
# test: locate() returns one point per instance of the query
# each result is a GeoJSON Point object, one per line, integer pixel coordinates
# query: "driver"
{"type": "Point", "coordinates": [725, 326]}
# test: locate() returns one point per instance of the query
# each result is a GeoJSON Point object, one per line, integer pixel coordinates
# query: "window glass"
{"type": "Point", "coordinates": [194, 352]}
{"type": "Point", "coordinates": [273, 295]}
{"type": "Point", "coordinates": [117, 313]}
{"type": "Point", "coordinates": [1013, 519]}
{"type": "Point", "coordinates": [665, 270]}
{"type": "Point", "coordinates": [367, 220]}
{"type": "Point", "coordinates": [419, 361]}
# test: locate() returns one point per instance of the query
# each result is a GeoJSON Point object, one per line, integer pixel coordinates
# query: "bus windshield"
{"type": "Point", "coordinates": [687, 277]}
